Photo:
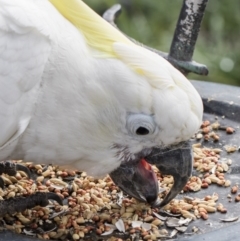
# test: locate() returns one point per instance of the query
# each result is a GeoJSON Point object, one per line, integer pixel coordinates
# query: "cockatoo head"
{"type": "Point", "coordinates": [138, 108]}
{"type": "Point", "coordinates": [149, 117]}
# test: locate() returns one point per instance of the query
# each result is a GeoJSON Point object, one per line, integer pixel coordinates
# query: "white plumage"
{"type": "Point", "coordinates": [61, 102]}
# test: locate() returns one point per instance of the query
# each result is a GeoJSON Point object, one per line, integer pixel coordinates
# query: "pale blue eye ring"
{"type": "Point", "coordinates": [140, 124]}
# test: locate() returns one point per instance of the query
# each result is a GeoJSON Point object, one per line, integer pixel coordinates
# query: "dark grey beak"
{"type": "Point", "coordinates": [139, 181]}
{"type": "Point", "coordinates": [175, 161]}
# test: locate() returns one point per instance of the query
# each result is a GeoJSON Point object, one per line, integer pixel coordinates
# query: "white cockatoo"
{"type": "Point", "coordinates": [74, 91]}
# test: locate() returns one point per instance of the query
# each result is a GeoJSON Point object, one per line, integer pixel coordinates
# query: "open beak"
{"type": "Point", "coordinates": [138, 179]}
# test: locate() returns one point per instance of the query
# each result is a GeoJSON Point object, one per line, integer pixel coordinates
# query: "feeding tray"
{"type": "Point", "coordinates": [221, 102]}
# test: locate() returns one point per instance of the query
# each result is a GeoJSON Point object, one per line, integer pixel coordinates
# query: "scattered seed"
{"type": "Point", "coordinates": [181, 229]}
{"type": "Point", "coordinates": [230, 148]}
{"type": "Point", "coordinates": [159, 216]}
{"type": "Point", "coordinates": [233, 219]}
{"type": "Point", "coordinates": [229, 130]}
{"type": "Point", "coordinates": [234, 189]}
{"type": "Point", "coordinates": [237, 198]}
{"type": "Point", "coordinates": [101, 203]}
{"type": "Point", "coordinates": [227, 183]}
{"type": "Point", "coordinates": [120, 225]}
{"type": "Point", "coordinates": [146, 226]}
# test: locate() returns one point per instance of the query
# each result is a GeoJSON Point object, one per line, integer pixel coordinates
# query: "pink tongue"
{"type": "Point", "coordinates": [149, 184]}
{"type": "Point", "coordinates": [145, 164]}
{"type": "Point", "coordinates": [145, 169]}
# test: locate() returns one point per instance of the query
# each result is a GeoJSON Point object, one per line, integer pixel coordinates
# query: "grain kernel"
{"type": "Point", "coordinates": [234, 189]}
{"type": "Point", "coordinates": [203, 215]}
{"type": "Point", "coordinates": [229, 130]}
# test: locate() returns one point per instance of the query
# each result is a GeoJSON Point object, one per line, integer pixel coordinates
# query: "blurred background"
{"type": "Point", "coordinates": [153, 22]}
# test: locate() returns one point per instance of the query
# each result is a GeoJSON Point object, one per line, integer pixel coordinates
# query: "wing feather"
{"type": "Point", "coordinates": [24, 51]}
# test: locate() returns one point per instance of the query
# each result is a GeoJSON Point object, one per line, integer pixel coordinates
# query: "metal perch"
{"type": "Point", "coordinates": [184, 39]}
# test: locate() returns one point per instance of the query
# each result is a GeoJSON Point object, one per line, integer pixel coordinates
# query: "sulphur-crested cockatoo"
{"type": "Point", "coordinates": [75, 91]}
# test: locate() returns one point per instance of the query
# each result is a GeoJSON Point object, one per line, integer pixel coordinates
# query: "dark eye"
{"type": "Point", "coordinates": [141, 124]}
{"type": "Point", "coordinates": [142, 131]}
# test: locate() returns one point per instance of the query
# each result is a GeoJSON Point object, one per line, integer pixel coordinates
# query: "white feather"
{"type": "Point", "coordinates": [176, 104]}
{"type": "Point", "coordinates": [21, 67]}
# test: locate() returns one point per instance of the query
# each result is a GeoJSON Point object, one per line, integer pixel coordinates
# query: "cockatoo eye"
{"type": "Point", "coordinates": [140, 124]}
{"type": "Point", "coordinates": [142, 131]}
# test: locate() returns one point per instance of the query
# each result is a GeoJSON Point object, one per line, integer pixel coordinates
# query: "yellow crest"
{"type": "Point", "coordinates": [99, 34]}
{"type": "Point", "coordinates": [110, 42]}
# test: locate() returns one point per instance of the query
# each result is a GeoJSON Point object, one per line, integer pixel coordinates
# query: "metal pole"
{"type": "Point", "coordinates": [187, 29]}
{"type": "Point", "coordinates": [184, 39]}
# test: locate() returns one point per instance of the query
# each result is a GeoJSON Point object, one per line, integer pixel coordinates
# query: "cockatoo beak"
{"type": "Point", "coordinates": [175, 161]}
{"type": "Point", "coordinates": [139, 180]}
